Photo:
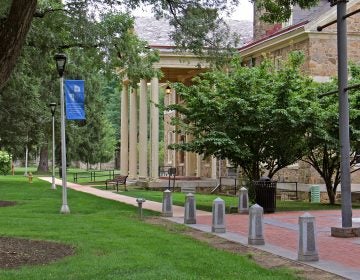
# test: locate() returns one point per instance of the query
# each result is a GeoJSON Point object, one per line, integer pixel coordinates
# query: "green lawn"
{"type": "Point", "coordinates": [204, 201]}
{"type": "Point", "coordinates": [110, 241]}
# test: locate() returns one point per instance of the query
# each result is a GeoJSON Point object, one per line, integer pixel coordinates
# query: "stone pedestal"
{"type": "Point", "coordinates": [345, 232]}
{"type": "Point", "coordinates": [218, 216]}
{"type": "Point", "coordinates": [167, 210]}
{"type": "Point", "coordinates": [190, 209]}
{"type": "Point", "coordinates": [307, 239]}
{"type": "Point", "coordinates": [256, 225]}
{"type": "Point", "coordinates": [243, 205]}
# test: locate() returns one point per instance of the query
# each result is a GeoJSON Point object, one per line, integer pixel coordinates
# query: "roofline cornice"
{"type": "Point", "coordinates": [292, 35]}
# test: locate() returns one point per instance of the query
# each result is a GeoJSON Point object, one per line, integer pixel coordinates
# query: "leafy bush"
{"type": "Point", "coordinates": [5, 162]}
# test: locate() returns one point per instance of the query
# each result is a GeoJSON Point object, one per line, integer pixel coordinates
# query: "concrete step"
{"type": "Point", "coordinates": [188, 189]}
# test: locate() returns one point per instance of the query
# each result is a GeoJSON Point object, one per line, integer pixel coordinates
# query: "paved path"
{"type": "Point", "coordinates": [178, 211]}
{"type": "Point", "coordinates": [337, 255]}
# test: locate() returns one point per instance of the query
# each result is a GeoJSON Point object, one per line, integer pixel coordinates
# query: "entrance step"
{"type": "Point", "coordinates": [188, 189]}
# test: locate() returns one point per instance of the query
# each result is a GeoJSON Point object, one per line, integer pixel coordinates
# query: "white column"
{"type": "Point", "coordinates": [154, 128]}
{"type": "Point", "coordinates": [143, 131]}
{"type": "Point", "coordinates": [213, 167]}
{"type": "Point", "coordinates": [187, 159]}
{"type": "Point", "coordinates": [124, 148]}
{"type": "Point", "coordinates": [133, 135]}
{"type": "Point", "coordinates": [198, 165]}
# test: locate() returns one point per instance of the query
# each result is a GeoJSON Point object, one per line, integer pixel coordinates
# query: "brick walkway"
{"type": "Point", "coordinates": [337, 255]}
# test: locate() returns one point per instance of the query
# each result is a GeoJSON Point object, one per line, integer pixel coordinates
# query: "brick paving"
{"type": "Point", "coordinates": [337, 255]}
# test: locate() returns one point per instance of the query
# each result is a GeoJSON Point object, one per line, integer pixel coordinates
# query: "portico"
{"type": "Point", "coordinates": [140, 138]}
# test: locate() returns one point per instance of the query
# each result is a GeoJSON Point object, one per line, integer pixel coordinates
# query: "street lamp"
{"type": "Point", "coordinates": [60, 65]}
{"type": "Point", "coordinates": [53, 108]}
{"type": "Point", "coordinates": [168, 90]}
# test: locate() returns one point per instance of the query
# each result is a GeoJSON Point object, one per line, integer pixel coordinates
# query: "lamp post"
{"type": "Point", "coordinates": [60, 65]}
{"type": "Point", "coordinates": [53, 108]}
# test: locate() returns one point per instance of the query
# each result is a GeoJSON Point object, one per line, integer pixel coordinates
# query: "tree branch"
{"type": "Point", "coordinates": [41, 14]}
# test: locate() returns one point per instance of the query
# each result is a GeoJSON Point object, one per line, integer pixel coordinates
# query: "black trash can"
{"type": "Point", "coordinates": [265, 194]}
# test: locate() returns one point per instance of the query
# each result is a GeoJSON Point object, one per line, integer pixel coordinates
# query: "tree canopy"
{"type": "Point", "coordinates": [322, 142]}
{"type": "Point", "coordinates": [255, 117]}
{"type": "Point", "coordinates": [195, 22]}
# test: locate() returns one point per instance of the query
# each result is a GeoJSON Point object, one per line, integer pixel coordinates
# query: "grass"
{"type": "Point", "coordinates": [204, 201]}
{"type": "Point", "coordinates": [83, 175]}
{"type": "Point", "coordinates": [110, 241]}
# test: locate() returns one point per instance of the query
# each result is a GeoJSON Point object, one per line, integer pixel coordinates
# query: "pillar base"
{"type": "Point", "coordinates": [308, 258]}
{"type": "Point", "coordinates": [65, 209]}
{"type": "Point", "coordinates": [259, 241]}
{"type": "Point", "coordinates": [218, 229]}
{"type": "Point", "coordinates": [167, 214]}
{"type": "Point", "coordinates": [345, 232]}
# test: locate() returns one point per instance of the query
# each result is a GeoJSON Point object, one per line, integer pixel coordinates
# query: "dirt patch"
{"type": "Point", "coordinates": [262, 258]}
{"type": "Point", "coordinates": [4, 203]}
{"type": "Point", "coordinates": [16, 252]}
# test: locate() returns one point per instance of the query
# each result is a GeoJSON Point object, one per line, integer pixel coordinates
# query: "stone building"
{"type": "Point", "coordinates": [139, 150]}
{"type": "Point", "coordinates": [275, 41]}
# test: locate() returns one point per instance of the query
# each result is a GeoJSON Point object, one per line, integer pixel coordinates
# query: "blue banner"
{"type": "Point", "coordinates": [75, 99]}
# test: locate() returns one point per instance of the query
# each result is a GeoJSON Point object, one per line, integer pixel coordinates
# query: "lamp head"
{"type": "Point", "coordinates": [335, 2]}
{"type": "Point", "coordinates": [168, 90]}
{"type": "Point", "coordinates": [60, 59]}
{"type": "Point", "coordinates": [52, 106]}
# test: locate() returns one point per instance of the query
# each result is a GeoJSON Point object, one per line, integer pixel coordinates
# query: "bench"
{"type": "Point", "coordinates": [118, 180]}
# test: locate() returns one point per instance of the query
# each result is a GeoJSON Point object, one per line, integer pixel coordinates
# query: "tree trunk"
{"type": "Point", "coordinates": [44, 160]}
{"type": "Point", "coordinates": [12, 35]}
{"type": "Point", "coordinates": [330, 192]}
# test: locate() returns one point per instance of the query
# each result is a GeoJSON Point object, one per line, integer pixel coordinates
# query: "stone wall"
{"type": "Point", "coordinates": [261, 28]}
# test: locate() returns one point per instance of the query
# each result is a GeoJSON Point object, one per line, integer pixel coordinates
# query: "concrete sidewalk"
{"type": "Point", "coordinates": [178, 211]}
{"type": "Point", "coordinates": [340, 256]}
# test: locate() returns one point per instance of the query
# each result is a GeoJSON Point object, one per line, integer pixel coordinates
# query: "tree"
{"type": "Point", "coordinates": [93, 45]}
{"type": "Point", "coordinates": [5, 162]}
{"type": "Point", "coordinates": [255, 117]}
{"type": "Point", "coordinates": [17, 15]}
{"type": "Point", "coordinates": [323, 138]}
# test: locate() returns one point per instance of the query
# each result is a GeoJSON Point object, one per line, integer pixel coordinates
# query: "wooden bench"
{"type": "Point", "coordinates": [118, 180]}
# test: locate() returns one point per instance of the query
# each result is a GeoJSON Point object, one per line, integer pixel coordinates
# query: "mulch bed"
{"type": "Point", "coordinates": [16, 252]}
{"type": "Point", "coordinates": [4, 203]}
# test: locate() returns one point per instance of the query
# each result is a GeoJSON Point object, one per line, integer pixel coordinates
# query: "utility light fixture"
{"type": "Point", "coordinates": [60, 59]}
{"type": "Point", "coordinates": [335, 2]}
{"type": "Point", "coordinates": [168, 90]}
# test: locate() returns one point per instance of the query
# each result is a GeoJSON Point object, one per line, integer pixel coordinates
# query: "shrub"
{"type": "Point", "coordinates": [5, 162]}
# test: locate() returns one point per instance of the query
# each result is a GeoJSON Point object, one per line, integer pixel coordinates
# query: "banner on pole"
{"type": "Point", "coordinates": [75, 99]}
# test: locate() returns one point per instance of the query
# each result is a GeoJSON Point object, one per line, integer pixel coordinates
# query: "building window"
{"type": "Point", "coordinates": [277, 62]}
{"type": "Point", "coordinates": [170, 152]}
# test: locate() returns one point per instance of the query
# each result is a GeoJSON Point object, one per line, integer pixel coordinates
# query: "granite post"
{"type": "Point", "coordinates": [167, 210]}
{"type": "Point", "coordinates": [307, 239]}
{"type": "Point", "coordinates": [190, 209]}
{"type": "Point", "coordinates": [218, 216]}
{"type": "Point", "coordinates": [243, 206]}
{"type": "Point", "coordinates": [256, 225]}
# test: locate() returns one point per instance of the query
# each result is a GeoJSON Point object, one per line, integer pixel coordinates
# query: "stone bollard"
{"type": "Point", "coordinates": [190, 209]}
{"type": "Point", "coordinates": [243, 207]}
{"type": "Point", "coordinates": [218, 216]}
{"type": "Point", "coordinates": [167, 210]}
{"type": "Point", "coordinates": [256, 225]}
{"type": "Point", "coordinates": [140, 202]}
{"type": "Point", "coordinates": [307, 239]}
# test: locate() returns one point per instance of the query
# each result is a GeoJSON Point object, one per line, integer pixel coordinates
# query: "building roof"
{"type": "Point", "coordinates": [301, 15]}
{"type": "Point", "coordinates": [156, 32]}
